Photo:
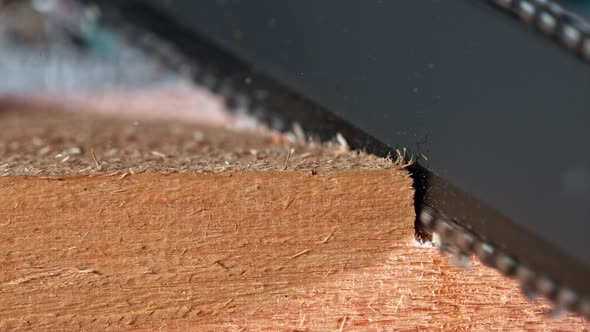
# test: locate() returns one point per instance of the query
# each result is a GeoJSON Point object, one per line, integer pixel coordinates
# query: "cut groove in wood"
{"type": "Point", "coordinates": [179, 227]}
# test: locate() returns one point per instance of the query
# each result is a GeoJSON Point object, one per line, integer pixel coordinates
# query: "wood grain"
{"type": "Point", "coordinates": [188, 248]}
{"type": "Point", "coordinates": [231, 241]}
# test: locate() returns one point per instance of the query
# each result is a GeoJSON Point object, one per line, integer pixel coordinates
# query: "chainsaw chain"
{"type": "Point", "coordinates": [570, 30]}
{"type": "Point", "coordinates": [463, 243]}
{"type": "Point", "coordinates": [455, 239]}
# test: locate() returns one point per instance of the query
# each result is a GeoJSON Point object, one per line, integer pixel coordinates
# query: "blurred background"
{"type": "Point", "coordinates": [55, 55]}
{"type": "Point", "coordinates": [58, 45]}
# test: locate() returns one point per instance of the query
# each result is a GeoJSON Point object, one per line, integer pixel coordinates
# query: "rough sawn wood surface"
{"type": "Point", "coordinates": [178, 227]}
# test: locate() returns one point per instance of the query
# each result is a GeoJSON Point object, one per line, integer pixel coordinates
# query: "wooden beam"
{"type": "Point", "coordinates": [114, 224]}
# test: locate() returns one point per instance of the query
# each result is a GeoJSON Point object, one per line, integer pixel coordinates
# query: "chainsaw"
{"type": "Point", "coordinates": [487, 100]}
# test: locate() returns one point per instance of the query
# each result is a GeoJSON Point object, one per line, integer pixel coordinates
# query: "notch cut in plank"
{"type": "Point", "coordinates": [194, 228]}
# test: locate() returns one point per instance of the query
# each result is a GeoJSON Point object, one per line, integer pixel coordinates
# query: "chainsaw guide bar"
{"type": "Point", "coordinates": [484, 197]}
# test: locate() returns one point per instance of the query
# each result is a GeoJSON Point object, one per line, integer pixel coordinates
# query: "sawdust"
{"type": "Point", "coordinates": [110, 146]}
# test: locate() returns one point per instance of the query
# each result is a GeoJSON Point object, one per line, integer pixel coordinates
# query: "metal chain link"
{"type": "Point", "coordinates": [570, 30]}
